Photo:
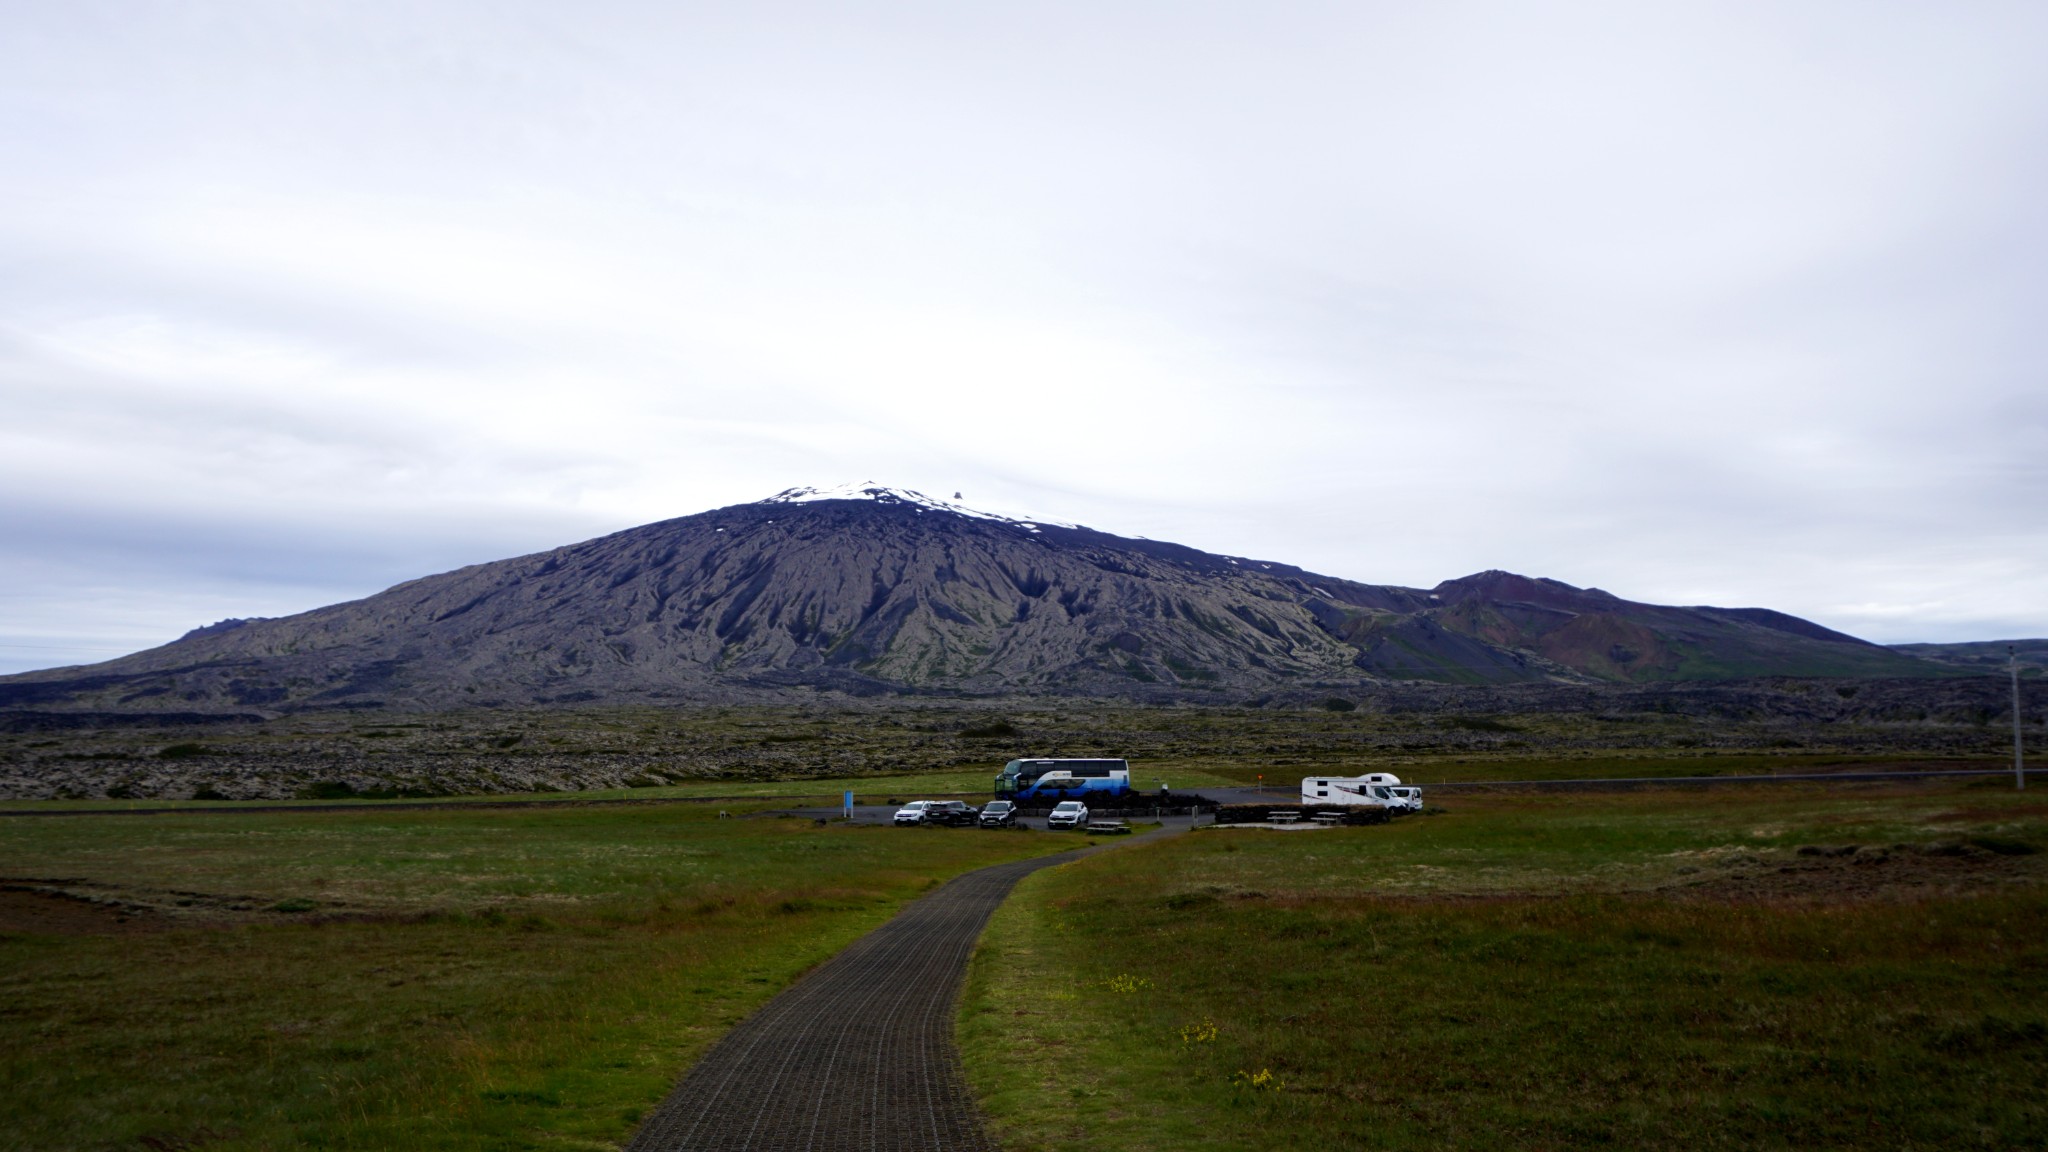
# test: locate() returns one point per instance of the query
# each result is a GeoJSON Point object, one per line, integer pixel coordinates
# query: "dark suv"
{"type": "Point", "coordinates": [999, 814]}
{"type": "Point", "coordinates": [954, 812]}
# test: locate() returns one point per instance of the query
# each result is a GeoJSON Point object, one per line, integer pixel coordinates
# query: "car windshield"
{"type": "Point", "coordinates": [998, 806]}
{"type": "Point", "coordinates": [913, 805]}
{"type": "Point", "coordinates": [1068, 806]}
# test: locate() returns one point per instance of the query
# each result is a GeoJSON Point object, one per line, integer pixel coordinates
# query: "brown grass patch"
{"type": "Point", "coordinates": [1833, 874]}
{"type": "Point", "coordinates": [25, 910]}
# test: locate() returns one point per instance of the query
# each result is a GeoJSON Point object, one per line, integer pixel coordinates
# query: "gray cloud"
{"type": "Point", "coordinates": [1703, 303]}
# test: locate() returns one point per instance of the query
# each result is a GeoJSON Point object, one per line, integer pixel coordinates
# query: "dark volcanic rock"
{"type": "Point", "coordinates": [875, 591]}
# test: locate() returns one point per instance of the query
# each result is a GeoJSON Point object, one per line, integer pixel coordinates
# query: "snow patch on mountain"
{"type": "Point", "coordinates": [883, 494]}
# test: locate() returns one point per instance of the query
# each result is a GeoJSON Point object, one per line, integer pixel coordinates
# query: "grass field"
{"type": "Point", "coordinates": [1667, 969]}
{"type": "Point", "coordinates": [521, 978]}
{"type": "Point", "coordinates": [505, 977]}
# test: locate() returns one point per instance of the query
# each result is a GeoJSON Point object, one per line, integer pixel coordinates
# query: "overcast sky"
{"type": "Point", "coordinates": [1717, 303]}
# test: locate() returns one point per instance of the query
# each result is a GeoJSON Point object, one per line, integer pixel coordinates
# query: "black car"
{"type": "Point", "coordinates": [999, 814]}
{"type": "Point", "coordinates": [957, 813]}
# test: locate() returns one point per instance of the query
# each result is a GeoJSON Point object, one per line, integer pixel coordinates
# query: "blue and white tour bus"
{"type": "Point", "coordinates": [1063, 779]}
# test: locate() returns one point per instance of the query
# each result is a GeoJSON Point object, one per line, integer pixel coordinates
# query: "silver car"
{"type": "Point", "coordinates": [1068, 814]}
{"type": "Point", "coordinates": [913, 812]}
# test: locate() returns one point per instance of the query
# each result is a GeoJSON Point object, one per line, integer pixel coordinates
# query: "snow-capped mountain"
{"type": "Point", "coordinates": [883, 494]}
{"type": "Point", "coordinates": [867, 588]}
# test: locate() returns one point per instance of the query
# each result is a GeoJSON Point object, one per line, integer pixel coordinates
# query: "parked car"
{"type": "Point", "coordinates": [1068, 814]}
{"type": "Point", "coordinates": [955, 812]}
{"type": "Point", "coordinates": [937, 812]}
{"type": "Point", "coordinates": [999, 814]}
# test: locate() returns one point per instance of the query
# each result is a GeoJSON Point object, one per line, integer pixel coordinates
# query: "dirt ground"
{"type": "Point", "coordinates": [74, 907]}
{"type": "Point", "coordinates": [52, 914]}
{"type": "Point", "coordinates": [1848, 872]}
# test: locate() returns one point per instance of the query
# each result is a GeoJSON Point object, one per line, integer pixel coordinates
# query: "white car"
{"type": "Point", "coordinates": [1068, 814]}
{"type": "Point", "coordinates": [913, 812]}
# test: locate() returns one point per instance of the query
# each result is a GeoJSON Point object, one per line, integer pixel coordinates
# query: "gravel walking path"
{"type": "Point", "coordinates": [857, 1055]}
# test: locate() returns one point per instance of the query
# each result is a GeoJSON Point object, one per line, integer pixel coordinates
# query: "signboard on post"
{"type": "Point", "coordinates": [849, 804]}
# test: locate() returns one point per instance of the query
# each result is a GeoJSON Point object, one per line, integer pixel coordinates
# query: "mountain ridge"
{"type": "Point", "coordinates": [868, 589]}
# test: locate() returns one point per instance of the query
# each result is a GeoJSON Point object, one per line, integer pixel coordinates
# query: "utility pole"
{"type": "Point", "coordinates": [2019, 764]}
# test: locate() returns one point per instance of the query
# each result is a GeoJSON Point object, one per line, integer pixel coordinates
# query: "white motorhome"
{"type": "Point", "coordinates": [1374, 790]}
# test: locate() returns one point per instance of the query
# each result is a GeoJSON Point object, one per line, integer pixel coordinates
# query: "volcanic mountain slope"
{"type": "Point", "coordinates": [874, 589]}
{"type": "Point", "coordinates": [1609, 638]}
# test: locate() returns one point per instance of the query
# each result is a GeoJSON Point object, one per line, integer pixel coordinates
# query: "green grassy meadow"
{"type": "Point", "coordinates": [515, 978]}
{"type": "Point", "coordinates": [477, 975]}
{"type": "Point", "coordinates": [1660, 969]}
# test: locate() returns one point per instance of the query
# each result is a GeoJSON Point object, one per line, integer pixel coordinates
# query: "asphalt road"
{"type": "Point", "coordinates": [859, 1054]}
